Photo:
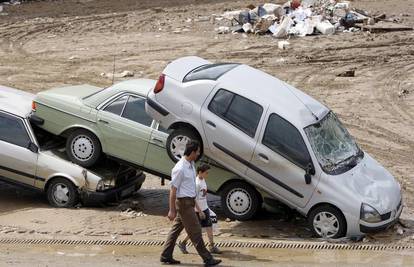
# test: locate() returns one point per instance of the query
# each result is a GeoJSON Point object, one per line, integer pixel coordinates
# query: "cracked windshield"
{"type": "Point", "coordinates": [331, 142]}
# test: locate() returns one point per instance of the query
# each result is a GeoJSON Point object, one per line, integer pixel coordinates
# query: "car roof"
{"type": "Point", "coordinates": [137, 86]}
{"type": "Point", "coordinates": [15, 101]}
{"type": "Point", "coordinates": [288, 102]}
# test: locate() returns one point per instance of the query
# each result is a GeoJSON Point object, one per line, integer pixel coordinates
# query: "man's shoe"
{"type": "Point", "coordinates": [212, 262]}
{"type": "Point", "coordinates": [169, 261]}
{"type": "Point", "coordinates": [183, 247]}
{"type": "Point", "coordinates": [214, 249]}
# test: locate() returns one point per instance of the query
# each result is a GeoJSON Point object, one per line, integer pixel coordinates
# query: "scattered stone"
{"type": "Point", "coordinates": [400, 231]}
{"type": "Point", "coordinates": [348, 73]}
{"type": "Point", "coordinates": [283, 45]}
{"type": "Point", "coordinates": [124, 74]}
{"type": "Point", "coordinates": [73, 57]}
{"type": "Point", "coordinates": [228, 220]}
{"type": "Point", "coordinates": [403, 92]}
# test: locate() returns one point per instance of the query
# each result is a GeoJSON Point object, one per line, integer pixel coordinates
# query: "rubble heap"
{"type": "Point", "coordinates": [301, 18]}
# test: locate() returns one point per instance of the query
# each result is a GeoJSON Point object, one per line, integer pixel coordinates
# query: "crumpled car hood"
{"type": "Point", "coordinates": [374, 184]}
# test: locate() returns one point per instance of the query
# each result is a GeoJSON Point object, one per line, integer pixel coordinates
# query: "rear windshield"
{"type": "Point", "coordinates": [209, 72]}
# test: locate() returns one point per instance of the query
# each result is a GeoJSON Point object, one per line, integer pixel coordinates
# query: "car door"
{"type": "Point", "coordinates": [126, 128]}
{"type": "Point", "coordinates": [17, 162]}
{"type": "Point", "coordinates": [279, 161]}
{"type": "Point", "coordinates": [230, 124]}
{"type": "Point", "coordinates": [157, 158]}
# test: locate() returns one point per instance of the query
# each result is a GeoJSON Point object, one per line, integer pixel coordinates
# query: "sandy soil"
{"type": "Point", "coordinates": [55, 43]}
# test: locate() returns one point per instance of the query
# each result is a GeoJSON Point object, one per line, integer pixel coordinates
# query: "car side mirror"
{"type": "Point", "coordinates": [33, 147]}
{"type": "Point", "coordinates": [310, 170]}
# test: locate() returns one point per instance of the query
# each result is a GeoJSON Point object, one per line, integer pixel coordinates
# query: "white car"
{"type": "Point", "coordinates": [279, 140]}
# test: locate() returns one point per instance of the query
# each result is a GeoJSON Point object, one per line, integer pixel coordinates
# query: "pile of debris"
{"type": "Point", "coordinates": [301, 18]}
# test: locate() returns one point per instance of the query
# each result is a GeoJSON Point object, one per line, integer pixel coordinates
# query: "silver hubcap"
{"type": "Point", "coordinates": [61, 194]}
{"type": "Point", "coordinates": [177, 146]}
{"type": "Point", "coordinates": [82, 147]}
{"type": "Point", "coordinates": [239, 201]}
{"type": "Point", "coordinates": [326, 224]}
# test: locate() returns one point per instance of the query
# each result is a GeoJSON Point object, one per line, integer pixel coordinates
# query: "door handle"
{"type": "Point", "coordinates": [263, 157]}
{"type": "Point", "coordinates": [211, 124]}
{"type": "Point", "coordinates": [103, 121]}
{"type": "Point", "coordinates": [157, 140]}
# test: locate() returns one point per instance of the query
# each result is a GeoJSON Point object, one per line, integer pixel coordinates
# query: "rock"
{"type": "Point", "coordinates": [403, 92]}
{"type": "Point", "coordinates": [247, 27]}
{"type": "Point", "coordinates": [283, 45]}
{"type": "Point", "coordinates": [125, 73]}
{"type": "Point", "coordinates": [348, 73]}
{"type": "Point", "coordinates": [73, 57]}
{"type": "Point", "coordinates": [228, 220]}
{"type": "Point", "coordinates": [400, 231]}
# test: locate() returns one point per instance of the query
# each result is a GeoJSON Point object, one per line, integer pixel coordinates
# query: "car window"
{"type": "Point", "coordinates": [239, 111]}
{"type": "Point", "coordinates": [221, 102]}
{"type": "Point", "coordinates": [209, 72]}
{"type": "Point", "coordinates": [135, 110]}
{"type": "Point", "coordinates": [12, 130]}
{"type": "Point", "coordinates": [117, 106]}
{"type": "Point", "coordinates": [284, 139]}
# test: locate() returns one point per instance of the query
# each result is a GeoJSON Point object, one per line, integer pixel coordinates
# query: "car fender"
{"type": "Point", "coordinates": [93, 128]}
{"type": "Point", "coordinates": [78, 184]}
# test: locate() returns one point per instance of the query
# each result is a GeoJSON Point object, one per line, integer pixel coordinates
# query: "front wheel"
{"type": "Point", "coordinates": [240, 201]}
{"type": "Point", "coordinates": [327, 222]}
{"type": "Point", "coordinates": [62, 193]}
{"type": "Point", "coordinates": [177, 141]}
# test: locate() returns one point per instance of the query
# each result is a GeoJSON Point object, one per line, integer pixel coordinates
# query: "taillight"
{"type": "Point", "coordinates": [33, 106]}
{"type": "Point", "coordinates": [160, 84]}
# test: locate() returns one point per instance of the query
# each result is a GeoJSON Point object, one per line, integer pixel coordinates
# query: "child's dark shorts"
{"type": "Point", "coordinates": [207, 221]}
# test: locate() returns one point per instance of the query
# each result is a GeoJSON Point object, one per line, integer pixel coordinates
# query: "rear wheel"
{"type": "Point", "coordinates": [240, 201]}
{"type": "Point", "coordinates": [177, 141]}
{"type": "Point", "coordinates": [83, 148]}
{"type": "Point", "coordinates": [62, 193]}
{"type": "Point", "coordinates": [327, 222]}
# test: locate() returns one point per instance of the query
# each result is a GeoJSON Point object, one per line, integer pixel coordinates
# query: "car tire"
{"type": "Point", "coordinates": [327, 221]}
{"type": "Point", "coordinates": [240, 201]}
{"type": "Point", "coordinates": [62, 193]}
{"type": "Point", "coordinates": [177, 140]}
{"type": "Point", "coordinates": [83, 148]}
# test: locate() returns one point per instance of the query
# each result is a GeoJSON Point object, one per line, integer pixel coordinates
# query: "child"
{"type": "Point", "coordinates": [202, 210]}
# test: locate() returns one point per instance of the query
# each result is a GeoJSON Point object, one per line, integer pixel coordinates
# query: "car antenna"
{"type": "Point", "coordinates": [310, 110]}
{"type": "Point", "coordinates": [113, 72]}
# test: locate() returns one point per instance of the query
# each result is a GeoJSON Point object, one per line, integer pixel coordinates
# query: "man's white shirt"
{"type": "Point", "coordinates": [183, 178]}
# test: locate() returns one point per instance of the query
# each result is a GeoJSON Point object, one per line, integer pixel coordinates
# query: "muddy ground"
{"type": "Point", "coordinates": [53, 43]}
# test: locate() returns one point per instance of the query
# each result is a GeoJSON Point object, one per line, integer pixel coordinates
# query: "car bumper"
{"type": "Point", "coordinates": [114, 194]}
{"type": "Point", "coordinates": [366, 228]}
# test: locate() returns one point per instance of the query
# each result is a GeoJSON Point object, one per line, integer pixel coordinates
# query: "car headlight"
{"type": "Point", "coordinates": [369, 214]}
{"type": "Point", "coordinates": [103, 185]}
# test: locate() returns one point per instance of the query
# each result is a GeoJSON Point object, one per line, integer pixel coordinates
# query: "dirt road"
{"type": "Point", "coordinates": [55, 43]}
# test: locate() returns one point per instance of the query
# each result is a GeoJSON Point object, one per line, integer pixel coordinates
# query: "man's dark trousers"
{"type": "Point", "coordinates": [188, 220]}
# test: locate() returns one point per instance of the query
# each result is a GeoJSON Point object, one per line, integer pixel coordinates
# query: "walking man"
{"type": "Point", "coordinates": [182, 203]}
